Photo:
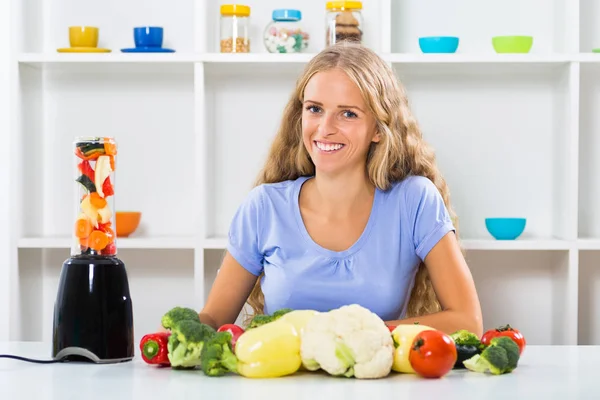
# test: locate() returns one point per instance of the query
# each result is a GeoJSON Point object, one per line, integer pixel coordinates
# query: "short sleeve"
{"type": "Point", "coordinates": [427, 213]}
{"type": "Point", "coordinates": [244, 233]}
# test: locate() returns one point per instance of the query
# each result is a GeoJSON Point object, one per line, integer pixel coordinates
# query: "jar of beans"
{"type": "Point", "coordinates": [235, 28]}
{"type": "Point", "coordinates": [284, 34]}
{"type": "Point", "coordinates": [344, 22]}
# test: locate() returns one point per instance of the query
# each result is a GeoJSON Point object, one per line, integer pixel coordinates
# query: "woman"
{"type": "Point", "coordinates": [349, 208]}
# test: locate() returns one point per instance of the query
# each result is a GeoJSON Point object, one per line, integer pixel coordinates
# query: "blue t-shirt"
{"type": "Point", "coordinates": [267, 234]}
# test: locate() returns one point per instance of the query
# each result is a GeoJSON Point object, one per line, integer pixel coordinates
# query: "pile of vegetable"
{"type": "Point", "coordinates": [350, 341]}
{"type": "Point", "coordinates": [93, 227]}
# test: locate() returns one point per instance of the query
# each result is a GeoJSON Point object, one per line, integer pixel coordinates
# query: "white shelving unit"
{"type": "Point", "coordinates": [516, 135]}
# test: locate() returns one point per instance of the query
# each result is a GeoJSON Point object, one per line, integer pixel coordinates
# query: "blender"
{"type": "Point", "coordinates": [93, 313]}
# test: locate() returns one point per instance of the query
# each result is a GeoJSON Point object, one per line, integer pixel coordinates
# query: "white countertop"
{"type": "Point", "coordinates": [544, 372]}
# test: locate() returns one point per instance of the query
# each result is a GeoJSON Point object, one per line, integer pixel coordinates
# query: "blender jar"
{"type": "Point", "coordinates": [94, 230]}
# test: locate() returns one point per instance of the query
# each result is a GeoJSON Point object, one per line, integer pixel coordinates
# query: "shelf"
{"type": "Point", "coordinates": [122, 243]}
{"type": "Point", "coordinates": [487, 58]}
{"type": "Point", "coordinates": [588, 244]}
{"type": "Point", "coordinates": [42, 59]}
{"type": "Point", "coordinates": [518, 244]}
{"type": "Point", "coordinates": [468, 244]}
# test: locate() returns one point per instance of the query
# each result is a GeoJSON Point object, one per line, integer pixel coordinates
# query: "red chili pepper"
{"type": "Point", "coordinates": [154, 348]}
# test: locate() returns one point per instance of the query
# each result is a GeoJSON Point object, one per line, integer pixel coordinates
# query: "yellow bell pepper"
{"type": "Point", "coordinates": [403, 336]}
{"type": "Point", "coordinates": [269, 351]}
{"type": "Point", "coordinates": [299, 318]}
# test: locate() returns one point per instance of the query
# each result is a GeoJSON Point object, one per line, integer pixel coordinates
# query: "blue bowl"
{"type": "Point", "coordinates": [505, 228]}
{"type": "Point", "coordinates": [148, 36]}
{"type": "Point", "coordinates": [438, 44]}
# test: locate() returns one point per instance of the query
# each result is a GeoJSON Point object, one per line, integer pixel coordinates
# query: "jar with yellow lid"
{"type": "Point", "coordinates": [344, 22]}
{"type": "Point", "coordinates": [235, 28]}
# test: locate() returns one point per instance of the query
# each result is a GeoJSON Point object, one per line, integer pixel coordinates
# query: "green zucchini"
{"type": "Point", "coordinates": [87, 183]}
{"type": "Point", "coordinates": [89, 148]}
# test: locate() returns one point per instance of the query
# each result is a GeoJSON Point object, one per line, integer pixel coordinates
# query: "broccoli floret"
{"type": "Point", "coordinates": [512, 351]}
{"type": "Point", "coordinates": [259, 320]}
{"type": "Point", "coordinates": [279, 313]}
{"type": "Point", "coordinates": [500, 357]}
{"type": "Point", "coordinates": [465, 338]}
{"type": "Point", "coordinates": [492, 359]}
{"type": "Point", "coordinates": [262, 319]}
{"type": "Point", "coordinates": [186, 342]}
{"type": "Point", "coordinates": [177, 314]}
{"type": "Point", "coordinates": [217, 356]}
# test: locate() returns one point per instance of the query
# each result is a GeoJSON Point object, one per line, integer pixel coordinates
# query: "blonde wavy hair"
{"type": "Point", "coordinates": [400, 152]}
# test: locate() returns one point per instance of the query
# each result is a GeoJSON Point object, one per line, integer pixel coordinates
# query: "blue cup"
{"type": "Point", "coordinates": [148, 36]}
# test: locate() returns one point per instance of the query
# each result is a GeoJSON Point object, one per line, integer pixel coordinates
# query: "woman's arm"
{"type": "Point", "coordinates": [228, 294]}
{"type": "Point", "coordinates": [455, 289]}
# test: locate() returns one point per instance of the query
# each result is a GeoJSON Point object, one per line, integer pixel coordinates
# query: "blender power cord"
{"type": "Point", "coordinates": [30, 359]}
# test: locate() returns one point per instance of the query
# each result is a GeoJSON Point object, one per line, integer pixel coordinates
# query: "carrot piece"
{"type": "Point", "coordinates": [97, 240]}
{"type": "Point", "coordinates": [97, 201]}
{"type": "Point", "coordinates": [112, 162]}
{"type": "Point", "coordinates": [83, 228]}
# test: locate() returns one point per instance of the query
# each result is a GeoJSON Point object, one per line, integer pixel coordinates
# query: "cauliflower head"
{"type": "Point", "coordinates": [348, 341]}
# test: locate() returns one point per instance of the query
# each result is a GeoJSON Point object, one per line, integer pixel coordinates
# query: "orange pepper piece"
{"type": "Point", "coordinates": [97, 201]}
{"type": "Point", "coordinates": [109, 148]}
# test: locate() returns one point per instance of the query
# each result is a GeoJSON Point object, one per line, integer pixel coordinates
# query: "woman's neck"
{"type": "Point", "coordinates": [339, 196]}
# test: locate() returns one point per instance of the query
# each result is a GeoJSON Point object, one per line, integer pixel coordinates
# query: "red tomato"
{"type": "Point", "coordinates": [506, 330]}
{"type": "Point", "coordinates": [391, 327]}
{"type": "Point", "coordinates": [432, 354]}
{"type": "Point", "coordinates": [235, 330]}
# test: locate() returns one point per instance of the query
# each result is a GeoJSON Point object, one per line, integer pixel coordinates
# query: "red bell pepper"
{"type": "Point", "coordinates": [235, 330]}
{"type": "Point", "coordinates": [154, 348]}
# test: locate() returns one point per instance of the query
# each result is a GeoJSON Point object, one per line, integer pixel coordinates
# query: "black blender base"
{"type": "Point", "coordinates": [78, 354]}
{"type": "Point", "coordinates": [93, 313]}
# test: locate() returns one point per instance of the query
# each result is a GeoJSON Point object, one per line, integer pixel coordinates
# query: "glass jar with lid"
{"type": "Point", "coordinates": [284, 34]}
{"type": "Point", "coordinates": [344, 22]}
{"type": "Point", "coordinates": [235, 28]}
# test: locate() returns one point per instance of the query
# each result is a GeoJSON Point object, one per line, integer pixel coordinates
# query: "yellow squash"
{"type": "Point", "coordinates": [269, 351]}
{"type": "Point", "coordinates": [403, 336]}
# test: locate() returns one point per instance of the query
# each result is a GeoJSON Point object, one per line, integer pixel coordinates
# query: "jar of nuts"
{"type": "Point", "coordinates": [234, 24]}
{"type": "Point", "coordinates": [344, 21]}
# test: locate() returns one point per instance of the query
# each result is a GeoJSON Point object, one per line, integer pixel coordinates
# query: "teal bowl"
{"type": "Point", "coordinates": [438, 44]}
{"type": "Point", "coordinates": [505, 228]}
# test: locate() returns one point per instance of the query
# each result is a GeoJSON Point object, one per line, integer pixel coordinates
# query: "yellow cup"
{"type": "Point", "coordinates": [83, 36]}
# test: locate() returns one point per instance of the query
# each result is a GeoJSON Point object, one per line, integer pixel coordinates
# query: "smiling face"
{"type": "Point", "coordinates": [337, 128]}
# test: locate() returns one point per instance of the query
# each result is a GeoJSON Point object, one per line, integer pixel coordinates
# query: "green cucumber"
{"type": "Point", "coordinates": [87, 183]}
